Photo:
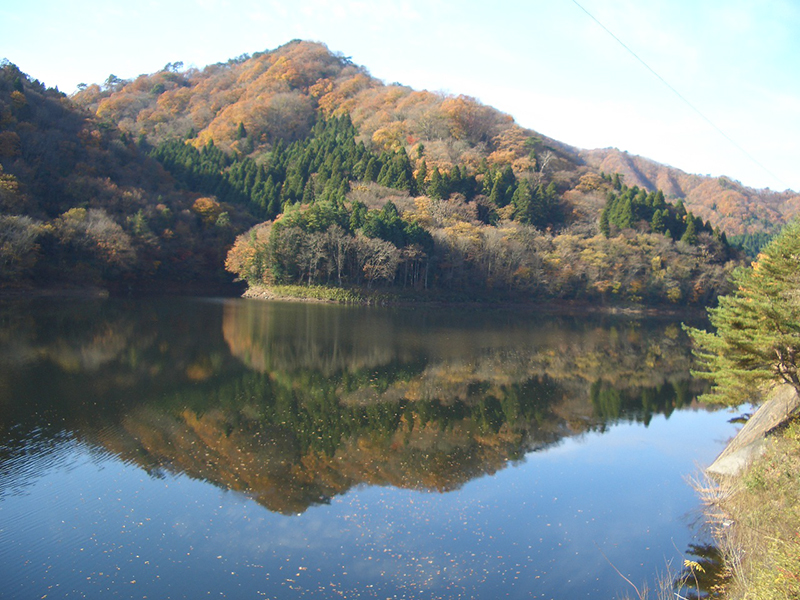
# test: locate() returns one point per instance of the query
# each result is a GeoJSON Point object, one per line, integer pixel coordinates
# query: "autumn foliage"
{"type": "Point", "coordinates": [354, 182]}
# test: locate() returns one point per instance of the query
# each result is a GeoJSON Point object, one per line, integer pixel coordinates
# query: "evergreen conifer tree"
{"type": "Point", "coordinates": [622, 213]}
{"type": "Point", "coordinates": [456, 180]}
{"type": "Point", "coordinates": [523, 201]}
{"type": "Point", "coordinates": [436, 185]}
{"type": "Point", "coordinates": [496, 195]}
{"type": "Point", "coordinates": [605, 228]}
{"type": "Point", "coordinates": [358, 216]}
{"type": "Point", "coordinates": [274, 206]}
{"type": "Point", "coordinates": [385, 176]}
{"type": "Point", "coordinates": [308, 192]}
{"type": "Point", "coordinates": [372, 170]}
{"type": "Point", "coordinates": [757, 339]}
{"type": "Point", "coordinates": [422, 174]}
{"type": "Point", "coordinates": [552, 192]}
{"type": "Point", "coordinates": [690, 234]}
{"type": "Point", "coordinates": [658, 223]}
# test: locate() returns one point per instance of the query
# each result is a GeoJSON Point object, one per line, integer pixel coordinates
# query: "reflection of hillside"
{"type": "Point", "coordinates": [75, 340]}
{"type": "Point", "coordinates": [147, 340]}
{"type": "Point", "coordinates": [80, 360]}
{"type": "Point", "coordinates": [291, 443]}
{"type": "Point", "coordinates": [288, 451]}
{"type": "Point", "coordinates": [458, 353]}
{"type": "Point", "coordinates": [325, 338]}
{"type": "Point", "coordinates": [319, 399]}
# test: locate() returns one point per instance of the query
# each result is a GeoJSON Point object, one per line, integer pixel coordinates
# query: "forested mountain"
{"type": "Point", "coordinates": [356, 183]}
{"type": "Point", "coordinates": [81, 204]}
{"type": "Point", "coordinates": [274, 95]}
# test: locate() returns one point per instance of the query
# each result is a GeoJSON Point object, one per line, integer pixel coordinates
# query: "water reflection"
{"type": "Point", "coordinates": [295, 404]}
{"type": "Point", "coordinates": [706, 577]}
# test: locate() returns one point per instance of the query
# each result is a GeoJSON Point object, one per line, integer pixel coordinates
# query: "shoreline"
{"type": "Point", "coordinates": [34, 293]}
{"type": "Point", "coordinates": [751, 500]}
{"type": "Point", "coordinates": [343, 297]}
{"type": "Point", "coordinates": [548, 305]}
{"type": "Point", "coordinates": [99, 292]}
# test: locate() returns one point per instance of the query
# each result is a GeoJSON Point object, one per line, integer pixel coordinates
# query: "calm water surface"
{"type": "Point", "coordinates": [239, 449]}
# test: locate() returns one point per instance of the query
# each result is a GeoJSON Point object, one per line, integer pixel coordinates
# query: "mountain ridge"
{"type": "Point", "coordinates": [722, 200]}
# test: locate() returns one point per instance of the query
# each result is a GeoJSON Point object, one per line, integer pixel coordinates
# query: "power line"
{"type": "Point", "coordinates": [682, 97]}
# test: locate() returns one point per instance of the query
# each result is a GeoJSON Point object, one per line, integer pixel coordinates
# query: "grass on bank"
{"type": "Point", "coordinates": [317, 293]}
{"type": "Point", "coordinates": [756, 522]}
{"type": "Point", "coordinates": [363, 295]}
{"type": "Point", "coordinates": [380, 296]}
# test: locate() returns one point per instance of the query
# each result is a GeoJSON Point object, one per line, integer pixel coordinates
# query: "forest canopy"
{"type": "Point", "coordinates": [295, 166]}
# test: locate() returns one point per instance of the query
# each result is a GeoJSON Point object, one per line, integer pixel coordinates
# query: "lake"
{"type": "Point", "coordinates": [188, 448]}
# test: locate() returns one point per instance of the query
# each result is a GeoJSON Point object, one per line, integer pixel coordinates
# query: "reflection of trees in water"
{"type": "Point", "coordinates": [289, 441]}
{"type": "Point", "coordinates": [459, 350]}
{"type": "Point", "coordinates": [72, 337]}
{"type": "Point", "coordinates": [640, 404]}
{"type": "Point", "coordinates": [293, 443]}
{"type": "Point", "coordinates": [70, 366]}
{"type": "Point", "coordinates": [334, 397]}
{"type": "Point", "coordinates": [106, 345]}
{"type": "Point", "coordinates": [706, 581]}
{"type": "Point", "coordinates": [327, 339]}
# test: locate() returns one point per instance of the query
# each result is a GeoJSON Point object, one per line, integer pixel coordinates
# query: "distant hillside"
{"type": "Point", "coordinates": [728, 204]}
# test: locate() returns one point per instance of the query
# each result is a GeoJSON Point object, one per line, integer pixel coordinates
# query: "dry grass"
{"type": "Point", "coordinates": [670, 584]}
{"type": "Point", "coordinates": [755, 519]}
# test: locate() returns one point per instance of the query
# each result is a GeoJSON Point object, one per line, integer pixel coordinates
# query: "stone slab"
{"type": "Point", "coordinates": [782, 403]}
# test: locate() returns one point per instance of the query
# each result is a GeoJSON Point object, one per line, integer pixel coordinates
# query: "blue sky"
{"type": "Point", "coordinates": [545, 62]}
